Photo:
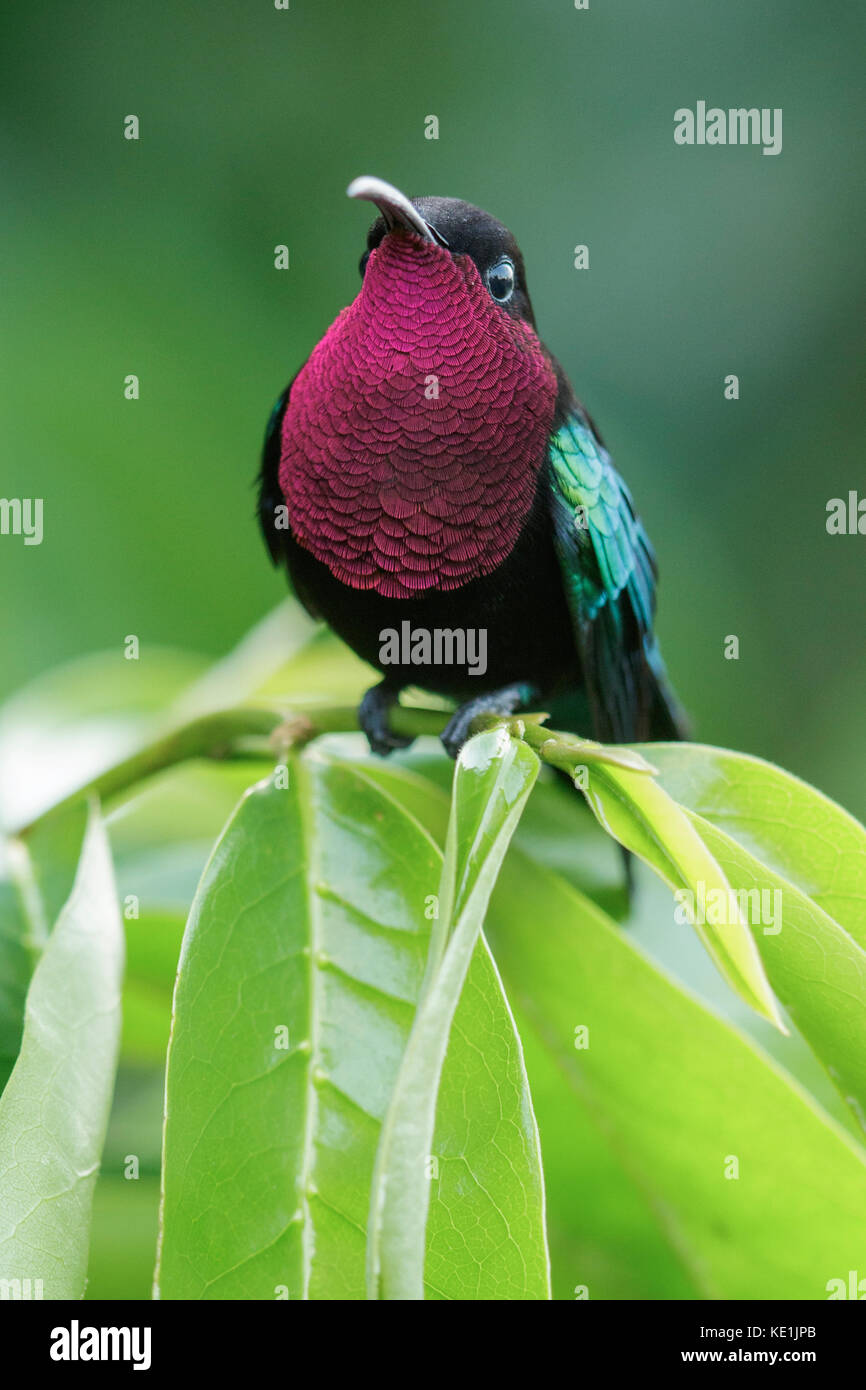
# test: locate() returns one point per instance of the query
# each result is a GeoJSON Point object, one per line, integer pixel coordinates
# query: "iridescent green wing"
{"type": "Point", "coordinates": [609, 574]}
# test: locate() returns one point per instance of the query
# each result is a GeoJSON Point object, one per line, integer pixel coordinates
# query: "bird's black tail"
{"type": "Point", "coordinates": [661, 719]}
{"type": "Point", "coordinates": [668, 721]}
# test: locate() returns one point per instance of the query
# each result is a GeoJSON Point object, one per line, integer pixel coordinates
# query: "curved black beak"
{"type": "Point", "coordinates": [394, 206]}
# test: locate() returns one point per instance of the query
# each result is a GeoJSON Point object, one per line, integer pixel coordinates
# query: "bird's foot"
{"type": "Point", "coordinates": [373, 714]}
{"type": "Point", "coordinates": [504, 701]}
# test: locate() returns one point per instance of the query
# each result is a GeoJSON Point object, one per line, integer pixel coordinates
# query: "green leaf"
{"type": "Point", "coordinates": [638, 812]}
{"type": "Point", "coordinates": [557, 828]}
{"type": "Point", "coordinates": [788, 825]}
{"type": "Point", "coordinates": [817, 966]}
{"type": "Point", "coordinates": [73, 722]}
{"type": "Point", "coordinates": [606, 1233]}
{"type": "Point", "coordinates": [54, 1110]}
{"type": "Point", "coordinates": [817, 970]}
{"type": "Point", "coordinates": [622, 1243]}
{"type": "Point", "coordinates": [15, 967]}
{"type": "Point", "coordinates": [258, 661]}
{"type": "Point", "coordinates": [679, 1095]}
{"type": "Point", "coordinates": [616, 1242]}
{"type": "Point", "coordinates": [36, 878]}
{"type": "Point", "coordinates": [161, 840]}
{"type": "Point", "coordinates": [311, 918]}
{"type": "Point", "coordinates": [494, 776]}
{"type": "Point", "coordinates": [325, 671]}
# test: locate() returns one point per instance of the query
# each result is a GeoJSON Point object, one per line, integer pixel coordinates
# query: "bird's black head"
{"type": "Point", "coordinates": [464, 230]}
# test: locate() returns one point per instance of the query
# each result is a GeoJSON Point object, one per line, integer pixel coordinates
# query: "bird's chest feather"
{"type": "Point", "coordinates": [413, 436]}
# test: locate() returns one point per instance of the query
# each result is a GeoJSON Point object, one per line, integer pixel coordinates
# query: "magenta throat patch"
{"type": "Point", "coordinates": [413, 435]}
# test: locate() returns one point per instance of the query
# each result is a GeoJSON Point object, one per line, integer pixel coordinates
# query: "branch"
{"type": "Point", "coordinates": [268, 732]}
{"type": "Point", "coordinates": [254, 731]}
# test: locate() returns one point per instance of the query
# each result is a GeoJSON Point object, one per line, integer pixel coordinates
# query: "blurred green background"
{"type": "Point", "coordinates": [156, 258]}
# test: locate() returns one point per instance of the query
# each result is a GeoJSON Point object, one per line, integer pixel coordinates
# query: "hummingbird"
{"type": "Point", "coordinates": [429, 475]}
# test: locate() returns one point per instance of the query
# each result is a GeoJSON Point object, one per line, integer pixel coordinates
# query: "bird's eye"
{"type": "Point", "coordinates": [362, 264]}
{"type": "Point", "coordinates": [500, 280]}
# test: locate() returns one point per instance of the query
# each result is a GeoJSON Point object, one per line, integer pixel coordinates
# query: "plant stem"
{"type": "Point", "coordinates": [567, 751]}
{"type": "Point", "coordinates": [268, 731]}
{"type": "Point", "coordinates": [244, 732]}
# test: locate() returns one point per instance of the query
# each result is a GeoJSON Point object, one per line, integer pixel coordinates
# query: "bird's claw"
{"type": "Point", "coordinates": [498, 702]}
{"type": "Point", "coordinates": [457, 730]}
{"type": "Point", "coordinates": [373, 713]}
